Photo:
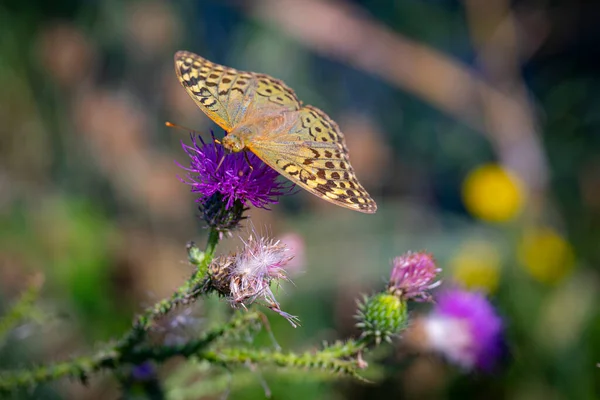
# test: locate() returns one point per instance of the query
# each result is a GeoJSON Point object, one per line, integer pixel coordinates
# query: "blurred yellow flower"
{"type": "Point", "coordinates": [477, 266]}
{"type": "Point", "coordinates": [492, 193]}
{"type": "Point", "coordinates": [546, 255]}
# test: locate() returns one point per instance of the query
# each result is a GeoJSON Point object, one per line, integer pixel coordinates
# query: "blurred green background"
{"type": "Point", "coordinates": [475, 125]}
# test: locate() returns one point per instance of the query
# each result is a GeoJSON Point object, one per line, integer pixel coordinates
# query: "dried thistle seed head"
{"type": "Point", "coordinates": [219, 273]}
{"type": "Point", "coordinates": [247, 276]}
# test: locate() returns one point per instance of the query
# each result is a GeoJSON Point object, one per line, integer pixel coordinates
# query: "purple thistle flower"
{"type": "Point", "coordinates": [465, 327]}
{"type": "Point", "coordinates": [233, 179]}
{"type": "Point", "coordinates": [412, 274]}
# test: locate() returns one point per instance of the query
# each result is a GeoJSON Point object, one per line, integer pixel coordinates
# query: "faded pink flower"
{"type": "Point", "coordinates": [412, 276]}
{"type": "Point", "coordinates": [295, 243]}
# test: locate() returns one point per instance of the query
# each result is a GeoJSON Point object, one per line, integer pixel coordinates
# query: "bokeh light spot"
{"type": "Point", "coordinates": [477, 265]}
{"type": "Point", "coordinates": [492, 194]}
{"type": "Point", "coordinates": [546, 255]}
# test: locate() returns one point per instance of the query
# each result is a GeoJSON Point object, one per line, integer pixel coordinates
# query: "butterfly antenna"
{"type": "Point", "coordinates": [248, 161]}
{"type": "Point", "coordinates": [172, 125]}
{"type": "Point", "coordinates": [220, 162]}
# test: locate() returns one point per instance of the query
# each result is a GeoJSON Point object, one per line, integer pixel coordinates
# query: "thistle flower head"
{"type": "Point", "coordinates": [465, 327]}
{"type": "Point", "coordinates": [247, 276]}
{"type": "Point", "coordinates": [236, 176]}
{"type": "Point", "coordinates": [412, 276]}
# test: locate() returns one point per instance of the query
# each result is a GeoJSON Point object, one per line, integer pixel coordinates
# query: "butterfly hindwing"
{"type": "Point", "coordinates": [313, 154]}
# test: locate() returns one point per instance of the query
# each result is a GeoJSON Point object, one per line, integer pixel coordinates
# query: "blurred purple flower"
{"type": "Point", "coordinates": [233, 178]}
{"type": "Point", "coordinates": [412, 274]}
{"type": "Point", "coordinates": [143, 372]}
{"type": "Point", "coordinates": [465, 327]}
{"type": "Point", "coordinates": [180, 326]}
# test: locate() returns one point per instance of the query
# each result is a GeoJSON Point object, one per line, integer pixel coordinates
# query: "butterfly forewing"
{"type": "Point", "coordinates": [273, 93]}
{"type": "Point", "coordinates": [227, 95]}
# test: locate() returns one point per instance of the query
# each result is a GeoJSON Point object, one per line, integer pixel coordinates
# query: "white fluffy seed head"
{"type": "Point", "coordinates": [260, 262]}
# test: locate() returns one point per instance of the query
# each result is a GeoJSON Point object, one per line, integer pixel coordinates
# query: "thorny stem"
{"type": "Point", "coordinates": [211, 245]}
{"type": "Point", "coordinates": [22, 308]}
{"type": "Point", "coordinates": [111, 358]}
{"type": "Point", "coordinates": [127, 349]}
{"type": "Point", "coordinates": [324, 360]}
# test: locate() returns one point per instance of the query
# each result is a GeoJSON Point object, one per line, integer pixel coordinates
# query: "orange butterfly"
{"type": "Point", "coordinates": [263, 115]}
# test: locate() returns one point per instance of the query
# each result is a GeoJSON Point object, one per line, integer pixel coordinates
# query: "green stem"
{"type": "Point", "coordinates": [111, 358]}
{"type": "Point", "coordinates": [195, 346]}
{"type": "Point", "coordinates": [209, 253]}
{"type": "Point", "coordinates": [76, 368]}
{"type": "Point", "coordinates": [213, 240]}
{"type": "Point", "coordinates": [22, 309]}
{"type": "Point", "coordinates": [349, 348]}
{"type": "Point", "coordinates": [308, 360]}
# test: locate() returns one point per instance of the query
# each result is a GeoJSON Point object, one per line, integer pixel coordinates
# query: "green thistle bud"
{"type": "Point", "coordinates": [382, 316]}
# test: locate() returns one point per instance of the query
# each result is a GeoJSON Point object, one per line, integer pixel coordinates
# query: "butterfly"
{"type": "Point", "coordinates": [263, 115]}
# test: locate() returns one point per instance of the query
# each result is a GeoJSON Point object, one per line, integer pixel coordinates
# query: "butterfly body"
{"type": "Point", "coordinates": [261, 114]}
